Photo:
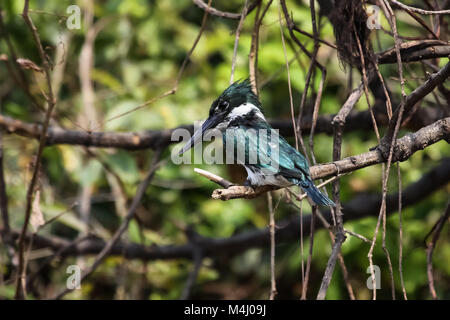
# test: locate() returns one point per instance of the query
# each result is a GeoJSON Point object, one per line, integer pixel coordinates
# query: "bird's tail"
{"type": "Point", "coordinates": [315, 194]}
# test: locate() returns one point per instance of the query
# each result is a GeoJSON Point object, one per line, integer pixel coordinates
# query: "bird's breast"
{"type": "Point", "coordinates": [261, 177]}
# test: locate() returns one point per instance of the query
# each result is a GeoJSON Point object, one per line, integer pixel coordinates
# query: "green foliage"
{"type": "Point", "coordinates": [137, 57]}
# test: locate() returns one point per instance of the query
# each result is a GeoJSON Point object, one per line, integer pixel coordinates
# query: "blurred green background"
{"type": "Point", "coordinates": [137, 55]}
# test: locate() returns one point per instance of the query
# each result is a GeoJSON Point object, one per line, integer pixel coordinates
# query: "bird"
{"type": "Point", "coordinates": [237, 113]}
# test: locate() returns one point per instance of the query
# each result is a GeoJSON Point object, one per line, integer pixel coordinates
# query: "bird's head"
{"type": "Point", "coordinates": [236, 104]}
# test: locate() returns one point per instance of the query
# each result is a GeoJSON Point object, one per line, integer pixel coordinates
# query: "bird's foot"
{"type": "Point", "coordinates": [249, 186]}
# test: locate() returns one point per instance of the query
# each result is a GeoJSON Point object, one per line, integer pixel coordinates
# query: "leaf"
{"type": "Point", "coordinates": [28, 64]}
{"type": "Point", "coordinates": [37, 218]}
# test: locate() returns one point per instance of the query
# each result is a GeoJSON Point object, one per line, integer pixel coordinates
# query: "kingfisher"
{"type": "Point", "coordinates": [267, 157]}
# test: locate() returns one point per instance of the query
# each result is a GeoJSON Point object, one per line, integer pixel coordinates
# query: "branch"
{"type": "Point", "coordinates": [3, 196]}
{"type": "Point", "coordinates": [223, 14]}
{"type": "Point", "coordinates": [51, 101]}
{"type": "Point", "coordinates": [236, 39]}
{"type": "Point", "coordinates": [5, 233]}
{"type": "Point", "coordinates": [124, 226]}
{"type": "Point", "coordinates": [214, 178]}
{"type": "Point", "coordinates": [288, 230]}
{"type": "Point", "coordinates": [418, 10]}
{"type": "Point", "coordinates": [155, 139]}
{"type": "Point", "coordinates": [339, 124]}
{"type": "Point", "coordinates": [175, 85]}
{"type": "Point", "coordinates": [198, 260]}
{"type": "Point", "coordinates": [408, 103]}
{"type": "Point", "coordinates": [436, 232]}
{"type": "Point", "coordinates": [20, 78]}
{"type": "Point", "coordinates": [405, 148]}
{"type": "Point", "coordinates": [416, 51]}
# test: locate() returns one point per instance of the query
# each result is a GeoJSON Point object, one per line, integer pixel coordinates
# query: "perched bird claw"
{"type": "Point", "coordinates": [249, 190]}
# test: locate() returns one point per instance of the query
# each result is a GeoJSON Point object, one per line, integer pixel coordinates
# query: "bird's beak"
{"type": "Point", "coordinates": [211, 122]}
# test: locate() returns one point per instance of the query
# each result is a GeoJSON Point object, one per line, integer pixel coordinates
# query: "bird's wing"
{"type": "Point", "coordinates": [300, 167]}
{"type": "Point", "coordinates": [292, 163]}
{"type": "Point", "coordinates": [252, 147]}
{"type": "Point", "coordinates": [274, 153]}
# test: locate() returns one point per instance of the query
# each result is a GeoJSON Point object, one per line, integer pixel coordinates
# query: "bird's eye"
{"type": "Point", "coordinates": [223, 105]}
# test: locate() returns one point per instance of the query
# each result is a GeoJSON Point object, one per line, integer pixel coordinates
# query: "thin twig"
{"type": "Point", "coordinates": [214, 178]}
{"type": "Point", "coordinates": [154, 139]}
{"type": "Point", "coordinates": [291, 26]}
{"type": "Point", "coordinates": [301, 243]}
{"type": "Point", "coordinates": [339, 238]}
{"type": "Point", "coordinates": [436, 232]}
{"type": "Point", "coordinates": [229, 15]}
{"type": "Point", "coordinates": [123, 227]}
{"type": "Point", "coordinates": [197, 259]}
{"type": "Point", "coordinates": [357, 235]}
{"type": "Point", "coordinates": [51, 101]}
{"type": "Point", "coordinates": [3, 195]}
{"type": "Point", "coordinates": [291, 101]}
{"type": "Point", "coordinates": [366, 84]}
{"type": "Point", "coordinates": [312, 37]}
{"type": "Point", "coordinates": [311, 246]}
{"type": "Point", "coordinates": [273, 286]}
{"type": "Point", "coordinates": [418, 10]}
{"type": "Point", "coordinates": [421, 22]}
{"type": "Point", "coordinates": [322, 80]}
{"type": "Point", "coordinates": [400, 233]}
{"type": "Point", "coordinates": [5, 233]}
{"type": "Point", "coordinates": [57, 254]}
{"type": "Point", "coordinates": [346, 277]}
{"type": "Point", "coordinates": [21, 78]}
{"type": "Point", "coordinates": [391, 138]}
{"type": "Point", "coordinates": [236, 40]}
{"type": "Point", "coordinates": [254, 48]}
{"type": "Point", "coordinates": [279, 71]}
{"type": "Point", "coordinates": [177, 80]}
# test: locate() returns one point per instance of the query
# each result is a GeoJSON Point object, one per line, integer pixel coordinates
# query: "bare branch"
{"type": "Point", "coordinates": [123, 227]}
{"type": "Point", "coordinates": [436, 232]}
{"type": "Point", "coordinates": [418, 10]}
{"type": "Point", "coordinates": [415, 96]}
{"type": "Point", "coordinates": [416, 51]}
{"type": "Point", "coordinates": [339, 238]}
{"type": "Point", "coordinates": [236, 39]}
{"type": "Point", "coordinates": [198, 260]}
{"type": "Point", "coordinates": [229, 15]}
{"type": "Point", "coordinates": [214, 178]}
{"type": "Point", "coordinates": [177, 80]}
{"type": "Point", "coordinates": [288, 230]}
{"type": "Point", "coordinates": [3, 196]}
{"type": "Point", "coordinates": [51, 101]}
{"type": "Point", "coordinates": [5, 233]}
{"type": "Point", "coordinates": [404, 148]}
{"type": "Point", "coordinates": [155, 139]}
